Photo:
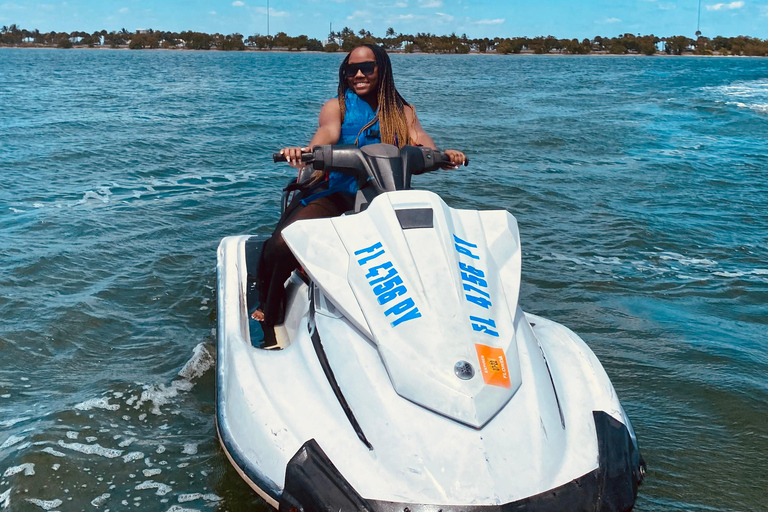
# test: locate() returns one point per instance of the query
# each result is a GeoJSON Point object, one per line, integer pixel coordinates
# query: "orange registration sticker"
{"type": "Point", "coordinates": [493, 364]}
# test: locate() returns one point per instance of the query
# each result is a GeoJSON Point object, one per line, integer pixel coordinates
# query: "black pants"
{"type": "Point", "coordinates": [277, 262]}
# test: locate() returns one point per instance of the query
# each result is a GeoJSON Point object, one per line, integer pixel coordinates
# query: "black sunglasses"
{"type": "Point", "coordinates": [368, 68]}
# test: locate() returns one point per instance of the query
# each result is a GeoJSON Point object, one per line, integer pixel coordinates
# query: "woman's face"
{"type": "Point", "coordinates": [360, 83]}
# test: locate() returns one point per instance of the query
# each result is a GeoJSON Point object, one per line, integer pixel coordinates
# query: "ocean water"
{"type": "Point", "coordinates": [639, 184]}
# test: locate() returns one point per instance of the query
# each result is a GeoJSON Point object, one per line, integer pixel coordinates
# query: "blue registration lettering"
{"type": "Point", "coordinates": [483, 324]}
{"type": "Point", "coordinates": [471, 278]}
{"type": "Point", "coordinates": [480, 301]}
{"type": "Point", "coordinates": [410, 315]}
{"type": "Point", "coordinates": [472, 270]}
{"type": "Point", "coordinates": [372, 248]}
{"type": "Point", "coordinates": [374, 271]}
{"type": "Point", "coordinates": [470, 288]}
{"type": "Point", "coordinates": [386, 297]}
{"type": "Point", "coordinates": [462, 242]}
{"type": "Point", "coordinates": [387, 285]}
{"type": "Point", "coordinates": [401, 307]}
{"type": "Point", "coordinates": [390, 273]}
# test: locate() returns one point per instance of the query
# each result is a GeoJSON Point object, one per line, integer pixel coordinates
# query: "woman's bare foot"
{"type": "Point", "coordinates": [257, 315]}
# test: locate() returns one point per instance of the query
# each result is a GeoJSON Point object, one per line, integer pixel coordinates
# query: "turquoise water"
{"type": "Point", "coordinates": [639, 185]}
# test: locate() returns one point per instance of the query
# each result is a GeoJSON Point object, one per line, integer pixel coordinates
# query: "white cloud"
{"type": "Point", "coordinates": [272, 12]}
{"type": "Point", "coordinates": [497, 21]}
{"type": "Point", "coordinates": [725, 7]}
{"type": "Point", "coordinates": [363, 16]}
{"type": "Point", "coordinates": [444, 17]}
{"type": "Point", "coordinates": [212, 12]}
{"type": "Point", "coordinates": [430, 3]}
{"type": "Point", "coordinates": [401, 4]}
{"type": "Point", "coordinates": [123, 10]}
{"type": "Point", "coordinates": [238, 3]}
{"type": "Point", "coordinates": [612, 20]}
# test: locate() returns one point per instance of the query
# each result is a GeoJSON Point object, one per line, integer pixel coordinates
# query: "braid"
{"type": "Point", "coordinates": [343, 86]}
{"type": "Point", "coordinates": [393, 124]}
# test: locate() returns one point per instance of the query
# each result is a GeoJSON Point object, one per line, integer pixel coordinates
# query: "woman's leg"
{"type": "Point", "coordinates": [277, 262]}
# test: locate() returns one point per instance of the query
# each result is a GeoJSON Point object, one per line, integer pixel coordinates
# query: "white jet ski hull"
{"type": "Point", "coordinates": [320, 424]}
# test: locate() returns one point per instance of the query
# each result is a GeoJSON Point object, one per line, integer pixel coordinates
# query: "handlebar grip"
{"type": "Point", "coordinates": [444, 159]}
{"type": "Point", "coordinates": [305, 157]}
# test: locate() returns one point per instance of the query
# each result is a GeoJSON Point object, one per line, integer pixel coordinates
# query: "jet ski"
{"type": "Point", "coordinates": [407, 378]}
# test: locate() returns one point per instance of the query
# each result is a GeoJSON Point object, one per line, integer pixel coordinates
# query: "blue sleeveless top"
{"type": "Point", "coordinates": [358, 114]}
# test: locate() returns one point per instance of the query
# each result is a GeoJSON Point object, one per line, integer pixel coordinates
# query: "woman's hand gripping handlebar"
{"type": "Point", "coordinates": [296, 157]}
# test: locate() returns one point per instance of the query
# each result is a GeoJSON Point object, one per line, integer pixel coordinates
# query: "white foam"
{"type": "Point", "coordinates": [133, 456]}
{"type": "Point", "coordinates": [160, 394]}
{"type": "Point", "coordinates": [190, 448]}
{"type": "Point", "coordinates": [5, 498]}
{"type": "Point", "coordinates": [101, 194]}
{"type": "Point", "coordinates": [92, 449]}
{"type": "Point", "coordinates": [99, 500]}
{"type": "Point", "coordinates": [683, 260]}
{"type": "Point", "coordinates": [72, 435]}
{"type": "Point", "coordinates": [53, 452]}
{"type": "Point", "coordinates": [178, 508]}
{"type": "Point", "coordinates": [752, 95]}
{"type": "Point", "coordinates": [608, 261]}
{"type": "Point", "coordinates": [28, 468]}
{"type": "Point", "coordinates": [45, 505]}
{"type": "Point", "coordinates": [12, 422]}
{"type": "Point", "coordinates": [15, 210]}
{"type": "Point", "coordinates": [97, 403]}
{"type": "Point", "coordinates": [12, 441]}
{"type": "Point", "coordinates": [162, 489]}
{"type": "Point", "coordinates": [152, 472]}
{"type": "Point", "coordinates": [729, 274]}
{"type": "Point", "coordinates": [202, 360]}
{"type": "Point", "coordinates": [183, 498]}
{"type": "Point", "coordinates": [127, 442]}
{"type": "Point", "coordinates": [572, 259]}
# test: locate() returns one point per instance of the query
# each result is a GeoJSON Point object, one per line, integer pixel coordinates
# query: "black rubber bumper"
{"type": "Point", "coordinates": [313, 484]}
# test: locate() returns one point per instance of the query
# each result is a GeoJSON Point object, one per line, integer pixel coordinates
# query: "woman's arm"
{"type": "Point", "coordinates": [328, 132]}
{"type": "Point", "coordinates": [415, 131]}
{"type": "Point", "coordinates": [419, 136]}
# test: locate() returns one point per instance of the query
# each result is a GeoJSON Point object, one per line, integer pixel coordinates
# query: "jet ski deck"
{"type": "Point", "coordinates": [409, 377]}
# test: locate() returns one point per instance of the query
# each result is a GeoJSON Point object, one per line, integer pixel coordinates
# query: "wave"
{"type": "Point", "coordinates": [661, 263]}
{"type": "Point", "coordinates": [749, 94]}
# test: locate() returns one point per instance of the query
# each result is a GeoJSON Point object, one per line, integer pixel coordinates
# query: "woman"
{"type": "Point", "coordinates": [368, 110]}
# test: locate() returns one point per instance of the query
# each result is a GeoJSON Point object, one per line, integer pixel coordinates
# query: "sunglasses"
{"type": "Point", "coordinates": [368, 68]}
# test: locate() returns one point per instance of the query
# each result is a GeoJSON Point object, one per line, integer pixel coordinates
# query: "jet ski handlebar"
{"type": "Point", "coordinates": [338, 158]}
{"type": "Point", "coordinates": [382, 166]}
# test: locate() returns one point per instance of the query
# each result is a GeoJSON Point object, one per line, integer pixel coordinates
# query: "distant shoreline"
{"type": "Point", "coordinates": [391, 52]}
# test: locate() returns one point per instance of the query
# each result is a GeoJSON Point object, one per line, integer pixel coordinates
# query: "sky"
{"type": "Point", "coordinates": [481, 18]}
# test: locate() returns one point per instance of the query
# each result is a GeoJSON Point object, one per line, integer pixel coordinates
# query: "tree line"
{"type": "Point", "coordinates": [347, 39]}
